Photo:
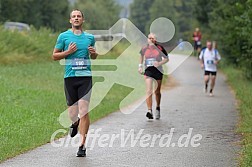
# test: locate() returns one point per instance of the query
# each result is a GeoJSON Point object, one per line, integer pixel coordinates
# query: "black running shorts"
{"type": "Point", "coordinates": [77, 88]}
{"type": "Point", "coordinates": [153, 72]}
{"type": "Point", "coordinates": [210, 72]}
{"type": "Point", "coordinates": [196, 45]}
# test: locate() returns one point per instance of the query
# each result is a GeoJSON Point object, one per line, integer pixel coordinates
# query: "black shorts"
{"type": "Point", "coordinates": [77, 88]}
{"type": "Point", "coordinates": [153, 72]}
{"type": "Point", "coordinates": [210, 72]}
{"type": "Point", "coordinates": [196, 45]}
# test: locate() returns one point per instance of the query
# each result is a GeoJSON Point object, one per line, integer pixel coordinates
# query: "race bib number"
{"type": "Point", "coordinates": [79, 64]}
{"type": "Point", "coordinates": [210, 62]}
{"type": "Point", "coordinates": [150, 62]}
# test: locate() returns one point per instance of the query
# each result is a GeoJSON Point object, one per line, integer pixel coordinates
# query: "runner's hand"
{"type": "Point", "coordinates": [202, 66]}
{"type": "Point", "coordinates": [72, 48]}
{"type": "Point", "coordinates": [156, 64]}
{"type": "Point", "coordinates": [140, 70]}
{"type": "Point", "coordinates": [92, 50]}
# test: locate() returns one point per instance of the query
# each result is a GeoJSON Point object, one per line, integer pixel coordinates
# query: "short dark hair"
{"type": "Point", "coordinates": [76, 10]}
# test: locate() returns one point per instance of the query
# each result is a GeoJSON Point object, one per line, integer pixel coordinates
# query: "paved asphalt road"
{"type": "Point", "coordinates": [209, 123]}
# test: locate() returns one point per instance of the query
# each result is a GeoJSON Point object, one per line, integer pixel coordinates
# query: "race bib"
{"type": "Point", "coordinates": [210, 62]}
{"type": "Point", "coordinates": [198, 43]}
{"type": "Point", "coordinates": [150, 62]}
{"type": "Point", "coordinates": [79, 64]}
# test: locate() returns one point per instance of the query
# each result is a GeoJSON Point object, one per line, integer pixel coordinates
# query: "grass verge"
{"type": "Point", "coordinates": [243, 91]}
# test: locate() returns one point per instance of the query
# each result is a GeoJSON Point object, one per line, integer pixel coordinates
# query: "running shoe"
{"type": "Point", "coordinates": [73, 130]}
{"type": "Point", "coordinates": [81, 152]}
{"type": "Point", "coordinates": [157, 114]}
{"type": "Point", "coordinates": [211, 93]}
{"type": "Point", "coordinates": [149, 115]}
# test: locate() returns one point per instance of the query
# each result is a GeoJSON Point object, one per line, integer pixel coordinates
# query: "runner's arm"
{"type": "Point", "coordinates": [164, 60]}
{"type": "Point", "coordinates": [92, 51]}
{"type": "Point", "coordinates": [140, 66]}
{"type": "Point", "coordinates": [165, 57]}
{"type": "Point", "coordinates": [218, 58]}
{"type": "Point", "coordinates": [141, 59]}
{"type": "Point", "coordinates": [59, 54]}
{"type": "Point", "coordinates": [216, 61]}
{"type": "Point", "coordinates": [202, 63]}
{"type": "Point", "coordinates": [201, 59]}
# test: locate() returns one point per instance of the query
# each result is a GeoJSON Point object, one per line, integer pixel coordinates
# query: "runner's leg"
{"type": "Point", "coordinates": [213, 78]}
{"type": "Point", "coordinates": [149, 91]}
{"type": "Point", "coordinates": [84, 120]}
{"type": "Point", "coordinates": [158, 92]}
{"type": "Point", "coordinates": [73, 112]}
{"type": "Point", "coordinates": [206, 79]}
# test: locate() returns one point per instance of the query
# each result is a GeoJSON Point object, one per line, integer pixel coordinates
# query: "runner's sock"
{"type": "Point", "coordinates": [82, 146]}
{"type": "Point", "coordinates": [206, 86]}
{"type": "Point", "coordinates": [211, 90]}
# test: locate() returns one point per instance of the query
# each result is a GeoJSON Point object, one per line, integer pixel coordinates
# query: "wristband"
{"type": "Point", "coordinates": [140, 65]}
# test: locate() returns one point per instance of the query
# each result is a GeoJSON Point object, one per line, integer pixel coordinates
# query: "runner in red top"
{"type": "Point", "coordinates": [197, 41]}
{"type": "Point", "coordinates": [154, 56]}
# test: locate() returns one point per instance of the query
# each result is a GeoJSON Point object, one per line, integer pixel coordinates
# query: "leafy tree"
{"type": "Point", "coordinates": [244, 22]}
{"type": "Point", "coordinates": [99, 14]}
{"type": "Point", "coordinates": [13, 10]}
{"type": "Point", "coordinates": [185, 19]}
{"type": "Point", "coordinates": [39, 13]}
{"type": "Point", "coordinates": [140, 14]}
{"type": "Point", "coordinates": [163, 8]}
{"type": "Point", "coordinates": [179, 11]}
{"type": "Point", "coordinates": [53, 13]}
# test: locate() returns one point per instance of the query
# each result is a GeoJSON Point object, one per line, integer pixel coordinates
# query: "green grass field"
{"type": "Point", "coordinates": [243, 92]}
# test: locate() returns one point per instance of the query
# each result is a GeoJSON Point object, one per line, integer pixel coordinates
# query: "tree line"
{"type": "Point", "coordinates": [54, 14]}
{"type": "Point", "coordinates": [39, 13]}
{"type": "Point", "coordinates": [178, 11]}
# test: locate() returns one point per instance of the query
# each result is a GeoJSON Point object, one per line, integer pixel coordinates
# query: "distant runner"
{"type": "Point", "coordinates": [197, 41]}
{"type": "Point", "coordinates": [209, 60]}
{"type": "Point", "coordinates": [155, 56]}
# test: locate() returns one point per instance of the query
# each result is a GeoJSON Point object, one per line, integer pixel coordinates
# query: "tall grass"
{"type": "Point", "coordinates": [22, 47]}
{"type": "Point", "coordinates": [243, 92]}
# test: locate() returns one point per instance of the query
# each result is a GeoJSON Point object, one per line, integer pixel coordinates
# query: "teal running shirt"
{"type": "Point", "coordinates": [77, 63]}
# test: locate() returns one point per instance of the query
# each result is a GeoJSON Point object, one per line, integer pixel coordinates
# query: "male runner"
{"type": "Point", "coordinates": [77, 47]}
